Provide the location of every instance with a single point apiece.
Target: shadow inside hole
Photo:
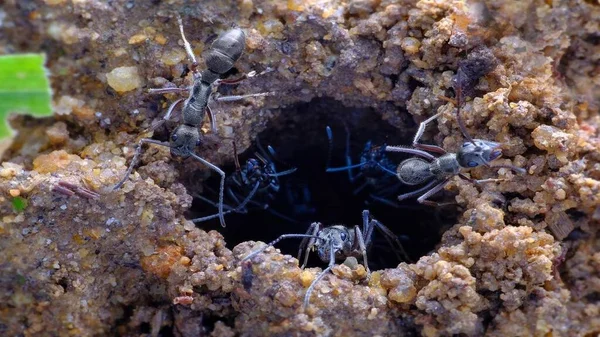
(313, 195)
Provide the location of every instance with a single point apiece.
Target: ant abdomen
(414, 171)
(225, 51)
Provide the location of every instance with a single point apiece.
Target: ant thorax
(445, 166)
(195, 105)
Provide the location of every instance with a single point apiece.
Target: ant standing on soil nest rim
(336, 243)
(438, 170)
(219, 59)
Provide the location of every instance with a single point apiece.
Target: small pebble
(124, 79)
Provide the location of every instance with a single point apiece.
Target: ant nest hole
(310, 194)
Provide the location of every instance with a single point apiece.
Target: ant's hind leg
(423, 199)
(423, 189)
(419, 134)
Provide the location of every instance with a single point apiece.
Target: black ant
(437, 171)
(257, 178)
(219, 59)
(335, 243)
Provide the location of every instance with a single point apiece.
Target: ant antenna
(236, 159)
(458, 92)
(186, 44)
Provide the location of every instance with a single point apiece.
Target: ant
(258, 177)
(219, 59)
(437, 171)
(336, 243)
(376, 169)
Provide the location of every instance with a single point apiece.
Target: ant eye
(343, 236)
(472, 164)
(174, 137)
(198, 142)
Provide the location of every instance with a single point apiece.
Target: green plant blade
(24, 88)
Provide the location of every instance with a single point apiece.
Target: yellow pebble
(14, 192)
(138, 38)
(160, 39)
(185, 261)
(306, 277)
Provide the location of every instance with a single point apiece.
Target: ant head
(225, 50)
(478, 152)
(183, 140)
(337, 236)
(253, 167)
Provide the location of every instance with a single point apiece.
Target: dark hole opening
(299, 138)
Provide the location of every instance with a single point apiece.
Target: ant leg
(519, 170)
(282, 173)
(275, 157)
(400, 148)
(172, 108)
(385, 201)
(478, 181)
(423, 189)
(423, 199)
(389, 190)
(320, 276)
(361, 187)
(330, 142)
(138, 152)
(422, 127)
(367, 226)
(241, 97)
(242, 78)
(351, 177)
(167, 90)
(272, 243)
(211, 119)
(345, 168)
(363, 248)
(281, 216)
(391, 238)
(221, 187)
(237, 209)
(348, 166)
(314, 228)
(419, 134)
(236, 199)
(212, 203)
(167, 115)
(186, 45)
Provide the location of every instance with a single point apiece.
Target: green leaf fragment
(19, 204)
(20, 279)
(24, 88)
